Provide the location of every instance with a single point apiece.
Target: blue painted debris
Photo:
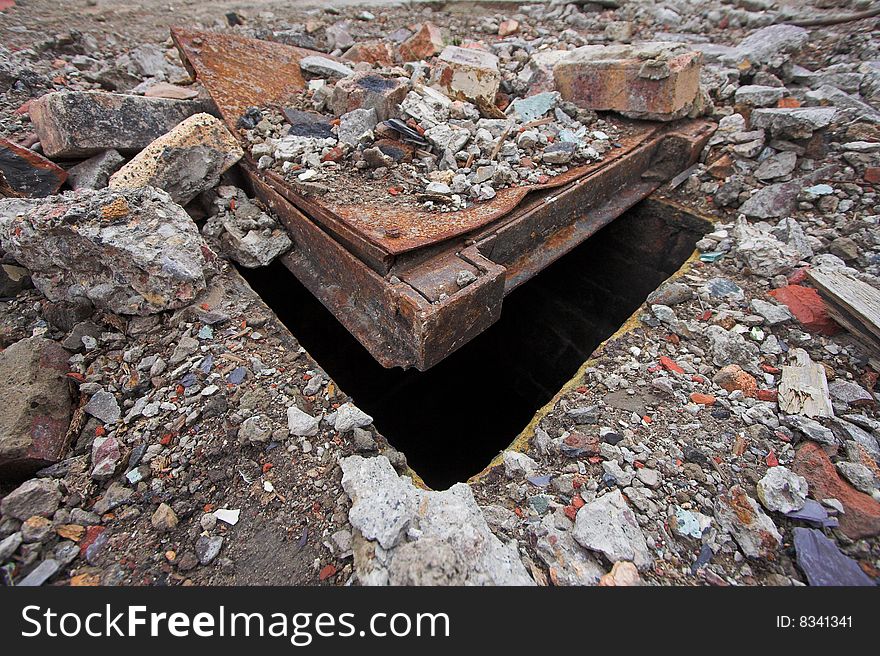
(534, 107)
(703, 558)
(236, 376)
(813, 513)
(206, 364)
(823, 563)
(820, 190)
(711, 257)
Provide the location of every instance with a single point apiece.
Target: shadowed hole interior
(451, 420)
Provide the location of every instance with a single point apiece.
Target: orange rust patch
(115, 209)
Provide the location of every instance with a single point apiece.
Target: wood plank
(803, 389)
(853, 304)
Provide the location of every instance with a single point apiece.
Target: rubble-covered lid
(240, 73)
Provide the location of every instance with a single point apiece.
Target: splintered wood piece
(803, 389)
(853, 304)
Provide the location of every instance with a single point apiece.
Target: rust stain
(115, 209)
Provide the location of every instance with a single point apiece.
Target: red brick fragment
(807, 307)
(862, 516)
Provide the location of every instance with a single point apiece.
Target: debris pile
(389, 138)
(160, 426)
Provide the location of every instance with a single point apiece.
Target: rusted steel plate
(395, 322)
(240, 72)
(416, 228)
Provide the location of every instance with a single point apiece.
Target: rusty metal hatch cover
(388, 272)
(240, 72)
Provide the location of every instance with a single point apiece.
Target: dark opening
(451, 420)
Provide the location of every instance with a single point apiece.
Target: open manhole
(451, 420)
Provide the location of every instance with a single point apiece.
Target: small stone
(776, 166)
(106, 456)
(208, 548)
(850, 393)
(228, 516)
(301, 423)
(686, 523)
(164, 519)
(758, 96)
(349, 417)
(608, 526)
(517, 465)
(772, 313)
(40, 574)
(377, 53)
(860, 476)
(739, 514)
(36, 529)
(650, 477)
(732, 377)
(363, 440)
(9, 545)
(426, 42)
(622, 574)
(356, 126)
(95, 172)
(104, 407)
(255, 430)
(324, 67)
(534, 107)
(781, 490)
(560, 152)
(34, 497)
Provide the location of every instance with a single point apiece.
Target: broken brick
(732, 377)
(81, 123)
(468, 74)
(702, 399)
(862, 516)
(185, 162)
(375, 52)
(669, 364)
(807, 307)
(369, 90)
(29, 173)
(657, 80)
(425, 43)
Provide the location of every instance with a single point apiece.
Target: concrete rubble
(410, 536)
(132, 252)
(165, 428)
(186, 161)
